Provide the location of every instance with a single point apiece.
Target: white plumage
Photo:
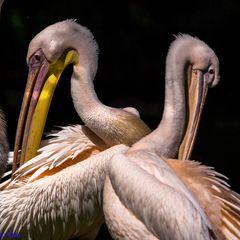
(140, 192)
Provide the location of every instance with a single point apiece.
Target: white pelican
(58, 205)
(147, 195)
(49, 52)
(128, 128)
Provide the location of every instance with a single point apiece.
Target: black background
(133, 38)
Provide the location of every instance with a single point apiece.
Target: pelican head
(191, 68)
(49, 53)
(56, 42)
(203, 68)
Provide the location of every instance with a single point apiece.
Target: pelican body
(182, 200)
(105, 127)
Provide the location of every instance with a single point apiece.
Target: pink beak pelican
(153, 197)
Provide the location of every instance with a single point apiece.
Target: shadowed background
(133, 38)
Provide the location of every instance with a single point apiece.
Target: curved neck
(112, 125)
(83, 93)
(93, 113)
(168, 135)
(165, 140)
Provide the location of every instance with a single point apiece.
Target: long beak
(196, 95)
(41, 83)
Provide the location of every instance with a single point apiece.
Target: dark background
(133, 37)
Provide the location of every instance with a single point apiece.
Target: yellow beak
(42, 80)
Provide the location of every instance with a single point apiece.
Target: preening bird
(85, 141)
(68, 203)
(149, 196)
(49, 53)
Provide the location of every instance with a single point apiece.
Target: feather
(221, 204)
(61, 150)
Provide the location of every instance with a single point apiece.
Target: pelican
(49, 53)
(45, 50)
(78, 218)
(147, 195)
(105, 127)
(4, 146)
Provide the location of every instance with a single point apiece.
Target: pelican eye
(211, 71)
(210, 76)
(36, 59)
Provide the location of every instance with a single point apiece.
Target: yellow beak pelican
(49, 53)
(153, 197)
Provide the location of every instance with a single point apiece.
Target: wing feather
(64, 148)
(152, 191)
(221, 204)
